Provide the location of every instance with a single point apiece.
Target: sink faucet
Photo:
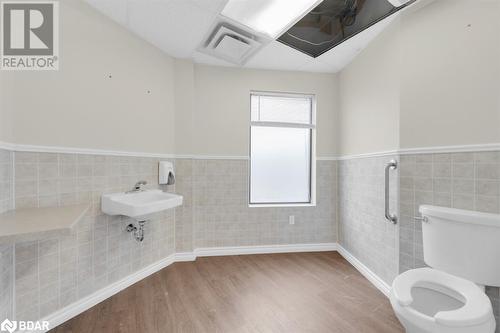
(138, 186)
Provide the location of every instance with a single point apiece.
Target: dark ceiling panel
(334, 21)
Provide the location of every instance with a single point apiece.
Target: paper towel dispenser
(166, 174)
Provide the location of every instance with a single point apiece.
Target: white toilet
(463, 249)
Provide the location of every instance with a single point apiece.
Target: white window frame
(312, 127)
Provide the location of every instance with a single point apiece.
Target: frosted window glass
(281, 109)
(280, 165)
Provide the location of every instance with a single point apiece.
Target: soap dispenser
(166, 174)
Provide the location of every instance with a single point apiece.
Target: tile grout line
(13, 204)
(38, 274)
(37, 166)
(13, 180)
(452, 182)
(13, 276)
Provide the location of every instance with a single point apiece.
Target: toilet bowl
(461, 247)
(429, 300)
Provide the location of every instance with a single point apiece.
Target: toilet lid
(477, 307)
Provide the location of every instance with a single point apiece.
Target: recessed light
(268, 17)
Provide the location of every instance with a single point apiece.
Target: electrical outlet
(291, 219)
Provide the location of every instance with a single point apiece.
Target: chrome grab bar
(392, 165)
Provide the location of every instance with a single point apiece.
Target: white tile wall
(222, 217)
(52, 273)
(184, 214)
(5, 180)
(6, 251)
(363, 229)
(6, 282)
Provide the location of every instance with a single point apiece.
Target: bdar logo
(8, 326)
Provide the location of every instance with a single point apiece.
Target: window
(282, 130)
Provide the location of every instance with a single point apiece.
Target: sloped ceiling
(179, 27)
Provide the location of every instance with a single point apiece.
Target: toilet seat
(476, 309)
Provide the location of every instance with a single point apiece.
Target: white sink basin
(139, 205)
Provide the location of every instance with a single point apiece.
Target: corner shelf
(38, 223)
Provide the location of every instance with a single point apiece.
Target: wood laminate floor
(299, 292)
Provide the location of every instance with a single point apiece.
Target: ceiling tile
(278, 56)
(319, 67)
(339, 57)
(175, 26)
(114, 9)
(202, 58)
(213, 6)
(178, 27)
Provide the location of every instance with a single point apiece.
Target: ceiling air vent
(228, 44)
(232, 46)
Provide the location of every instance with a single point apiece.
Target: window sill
(282, 205)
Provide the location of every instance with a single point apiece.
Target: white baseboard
(367, 273)
(86, 303)
(185, 256)
(286, 248)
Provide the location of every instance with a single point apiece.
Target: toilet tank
(463, 243)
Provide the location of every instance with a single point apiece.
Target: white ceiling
(179, 27)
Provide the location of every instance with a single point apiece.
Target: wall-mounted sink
(139, 205)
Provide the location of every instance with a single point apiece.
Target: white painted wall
(222, 110)
(428, 81)
(79, 105)
(450, 77)
(6, 124)
(369, 97)
(184, 106)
